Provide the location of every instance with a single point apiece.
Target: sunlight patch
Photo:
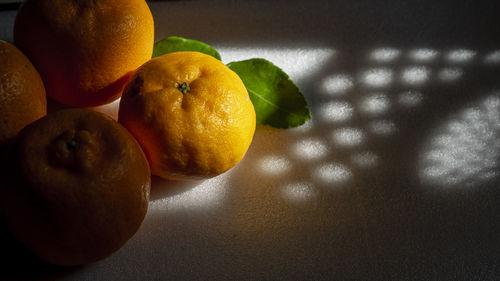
(465, 151)
(274, 165)
(333, 173)
(337, 84)
(348, 137)
(377, 77)
(299, 191)
(365, 159)
(493, 57)
(384, 54)
(298, 63)
(311, 149)
(415, 75)
(460, 55)
(375, 104)
(336, 111)
(423, 55)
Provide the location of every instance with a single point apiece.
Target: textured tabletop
(396, 177)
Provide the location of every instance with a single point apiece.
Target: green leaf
(174, 44)
(277, 100)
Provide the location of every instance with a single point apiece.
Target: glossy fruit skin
(197, 134)
(22, 94)
(78, 187)
(85, 50)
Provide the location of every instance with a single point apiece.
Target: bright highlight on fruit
(191, 114)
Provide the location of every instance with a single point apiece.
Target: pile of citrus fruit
(75, 182)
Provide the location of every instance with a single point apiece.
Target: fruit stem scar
(184, 87)
(72, 145)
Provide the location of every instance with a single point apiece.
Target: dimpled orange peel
(85, 50)
(78, 187)
(191, 114)
(22, 94)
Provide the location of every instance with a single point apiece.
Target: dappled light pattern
(375, 104)
(351, 110)
(493, 57)
(298, 191)
(450, 74)
(332, 173)
(274, 165)
(416, 75)
(311, 149)
(348, 137)
(358, 107)
(423, 55)
(210, 193)
(337, 84)
(460, 55)
(382, 127)
(465, 150)
(365, 159)
(336, 111)
(377, 77)
(409, 98)
(382, 55)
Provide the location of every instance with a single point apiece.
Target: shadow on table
(306, 206)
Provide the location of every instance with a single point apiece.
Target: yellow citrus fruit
(78, 187)
(85, 50)
(22, 94)
(191, 114)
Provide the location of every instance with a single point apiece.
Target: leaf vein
(272, 104)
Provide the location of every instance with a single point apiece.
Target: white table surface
(395, 177)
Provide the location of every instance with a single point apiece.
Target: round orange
(22, 94)
(85, 50)
(191, 114)
(78, 187)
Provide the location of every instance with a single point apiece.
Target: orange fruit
(191, 114)
(22, 94)
(78, 187)
(85, 50)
